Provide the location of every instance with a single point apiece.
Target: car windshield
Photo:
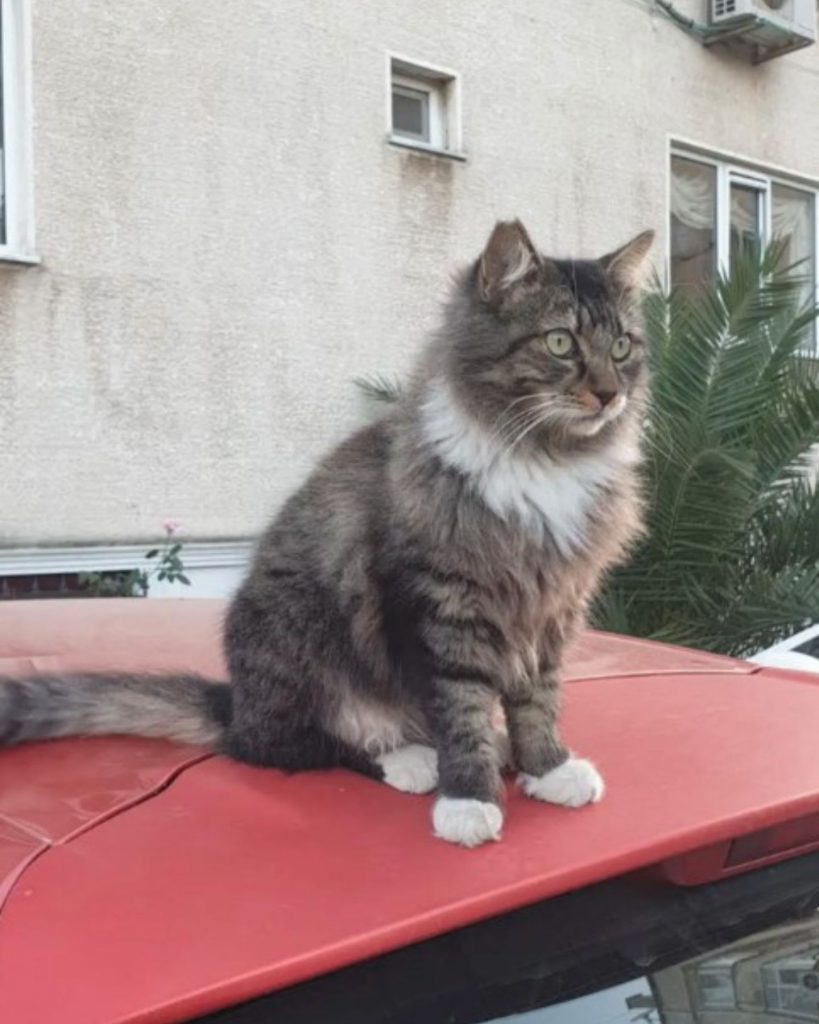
(772, 975)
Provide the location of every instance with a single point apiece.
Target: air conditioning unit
(765, 28)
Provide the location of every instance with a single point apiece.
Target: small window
(16, 219)
(716, 987)
(787, 987)
(423, 107)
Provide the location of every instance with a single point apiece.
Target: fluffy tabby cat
(433, 566)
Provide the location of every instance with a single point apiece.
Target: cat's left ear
(628, 265)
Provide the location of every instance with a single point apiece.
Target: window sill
(25, 259)
(420, 147)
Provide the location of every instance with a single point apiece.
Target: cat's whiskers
(559, 413)
(506, 422)
(510, 427)
(549, 410)
(522, 420)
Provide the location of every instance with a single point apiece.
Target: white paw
(468, 822)
(412, 769)
(574, 783)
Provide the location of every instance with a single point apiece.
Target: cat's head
(548, 349)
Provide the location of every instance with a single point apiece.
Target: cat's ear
(628, 265)
(508, 259)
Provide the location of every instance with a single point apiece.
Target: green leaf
(380, 388)
(729, 561)
(152, 553)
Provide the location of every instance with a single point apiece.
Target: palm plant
(730, 559)
(379, 388)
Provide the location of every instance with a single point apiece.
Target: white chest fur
(538, 492)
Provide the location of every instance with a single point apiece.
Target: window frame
(19, 245)
(737, 177)
(443, 89)
(732, 169)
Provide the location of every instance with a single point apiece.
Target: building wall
(227, 239)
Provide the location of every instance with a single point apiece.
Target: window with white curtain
(718, 208)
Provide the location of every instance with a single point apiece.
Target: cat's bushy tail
(179, 707)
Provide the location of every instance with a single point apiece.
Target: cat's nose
(604, 397)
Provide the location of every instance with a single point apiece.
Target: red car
(146, 881)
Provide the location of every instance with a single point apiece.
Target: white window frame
(19, 246)
(762, 186)
(442, 87)
(732, 168)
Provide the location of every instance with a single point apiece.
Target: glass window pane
(746, 217)
(792, 223)
(410, 112)
(693, 223)
(716, 987)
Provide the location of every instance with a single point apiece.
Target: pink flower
(172, 526)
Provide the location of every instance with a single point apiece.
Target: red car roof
(147, 882)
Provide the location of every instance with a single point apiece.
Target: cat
(432, 568)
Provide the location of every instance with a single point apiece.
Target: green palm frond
(731, 557)
(380, 388)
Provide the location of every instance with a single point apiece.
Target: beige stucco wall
(227, 239)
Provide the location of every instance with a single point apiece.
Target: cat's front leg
(460, 711)
(548, 771)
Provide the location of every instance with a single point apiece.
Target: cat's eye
(560, 343)
(621, 348)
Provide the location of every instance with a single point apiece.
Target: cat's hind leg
(305, 748)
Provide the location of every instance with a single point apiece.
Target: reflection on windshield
(624, 1004)
(772, 976)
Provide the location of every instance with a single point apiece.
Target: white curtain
(692, 195)
(693, 202)
(791, 218)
